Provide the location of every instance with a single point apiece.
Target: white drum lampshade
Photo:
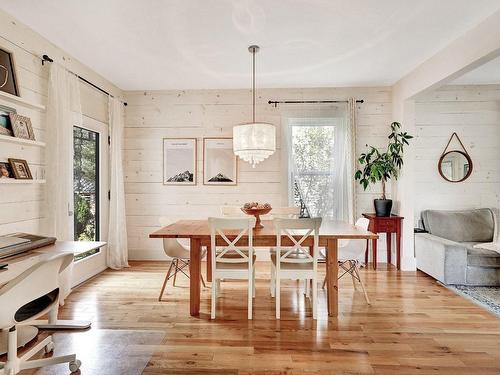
(254, 142)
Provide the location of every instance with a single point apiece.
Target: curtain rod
(275, 102)
(46, 58)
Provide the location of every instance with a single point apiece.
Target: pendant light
(256, 141)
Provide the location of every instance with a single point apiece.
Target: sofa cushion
(460, 226)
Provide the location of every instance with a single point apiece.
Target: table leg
(209, 263)
(398, 246)
(194, 280)
(389, 245)
(366, 252)
(374, 255)
(332, 279)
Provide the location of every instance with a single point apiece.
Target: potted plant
(382, 166)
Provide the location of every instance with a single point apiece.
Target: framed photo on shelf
(6, 170)
(5, 126)
(20, 169)
(220, 166)
(21, 126)
(179, 161)
(8, 79)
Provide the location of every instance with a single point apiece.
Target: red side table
(388, 225)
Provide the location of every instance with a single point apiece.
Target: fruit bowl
(256, 209)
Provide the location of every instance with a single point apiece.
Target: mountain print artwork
(220, 178)
(182, 177)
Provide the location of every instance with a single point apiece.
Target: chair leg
(250, 296)
(315, 297)
(352, 267)
(273, 281)
(176, 270)
(165, 282)
(253, 283)
(214, 298)
(362, 284)
(202, 281)
(277, 293)
(324, 282)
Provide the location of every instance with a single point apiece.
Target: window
(310, 163)
(86, 184)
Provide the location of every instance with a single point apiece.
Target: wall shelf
(18, 100)
(14, 181)
(7, 138)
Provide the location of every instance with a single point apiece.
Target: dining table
(198, 233)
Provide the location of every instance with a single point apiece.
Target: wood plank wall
(151, 116)
(474, 113)
(22, 206)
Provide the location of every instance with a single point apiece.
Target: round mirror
(455, 166)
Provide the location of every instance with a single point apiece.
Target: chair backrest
(37, 282)
(354, 249)
(296, 231)
(231, 211)
(171, 246)
(235, 228)
(285, 213)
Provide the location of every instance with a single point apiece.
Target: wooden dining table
(198, 233)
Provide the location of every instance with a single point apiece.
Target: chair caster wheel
(49, 348)
(74, 366)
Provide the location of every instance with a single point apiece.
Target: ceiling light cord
(253, 81)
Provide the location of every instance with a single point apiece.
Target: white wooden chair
(229, 261)
(295, 262)
(32, 294)
(285, 213)
(350, 255)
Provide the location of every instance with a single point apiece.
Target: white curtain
(332, 196)
(343, 171)
(63, 111)
(117, 232)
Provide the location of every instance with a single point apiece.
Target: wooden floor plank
(414, 326)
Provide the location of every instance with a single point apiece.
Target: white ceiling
(487, 74)
(184, 44)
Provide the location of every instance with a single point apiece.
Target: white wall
(23, 206)
(473, 112)
(151, 116)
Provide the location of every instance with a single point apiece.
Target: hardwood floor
(414, 326)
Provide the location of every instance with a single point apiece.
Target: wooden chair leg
(324, 282)
(202, 281)
(176, 270)
(362, 284)
(165, 282)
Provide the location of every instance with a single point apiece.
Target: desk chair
(33, 293)
(350, 252)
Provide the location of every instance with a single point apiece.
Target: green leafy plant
(382, 166)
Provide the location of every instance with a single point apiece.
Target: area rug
(105, 351)
(488, 297)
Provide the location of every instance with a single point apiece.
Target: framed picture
(179, 161)
(21, 126)
(20, 169)
(8, 79)
(5, 126)
(220, 165)
(6, 170)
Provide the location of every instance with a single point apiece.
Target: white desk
(19, 263)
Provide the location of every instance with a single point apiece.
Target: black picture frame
(8, 78)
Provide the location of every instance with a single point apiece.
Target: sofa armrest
(443, 259)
